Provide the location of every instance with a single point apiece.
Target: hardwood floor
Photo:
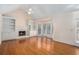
(64, 49)
(28, 46)
(36, 46)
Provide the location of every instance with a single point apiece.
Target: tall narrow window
(48, 29)
(51, 28)
(28, 31)
(44, 28)
(39, 29)
(34, 26)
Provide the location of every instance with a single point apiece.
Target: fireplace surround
(22, 33)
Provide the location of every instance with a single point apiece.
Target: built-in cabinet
(8, 24)
(8, 27)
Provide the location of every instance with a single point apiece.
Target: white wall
(0, 28)
(76, 19)
(64, 28)
(20, 23)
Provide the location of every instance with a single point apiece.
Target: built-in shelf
(10, 23)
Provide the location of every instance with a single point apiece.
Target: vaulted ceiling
(40, 10)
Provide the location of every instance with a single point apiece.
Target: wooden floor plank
(36, 46)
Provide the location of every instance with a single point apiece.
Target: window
(29, 27)
(44, 28)
(48, 28)
(39, 29)
(28, 31)
(34, 26)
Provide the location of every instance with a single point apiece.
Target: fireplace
(22, 33)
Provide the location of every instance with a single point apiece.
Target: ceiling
(40, 10)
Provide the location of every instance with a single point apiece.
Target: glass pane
(44, 28)
(39, 29)
(29, 27)
(34, 27)
(52, 28)
(48, 29)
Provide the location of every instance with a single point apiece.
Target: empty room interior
(39, 29)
